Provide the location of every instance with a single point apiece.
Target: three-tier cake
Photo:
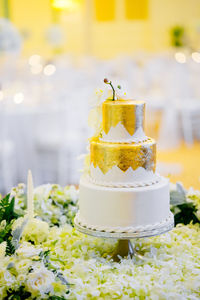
(123, 192)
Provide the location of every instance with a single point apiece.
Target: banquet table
(45, 139)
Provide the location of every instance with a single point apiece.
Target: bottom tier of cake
(123, 209)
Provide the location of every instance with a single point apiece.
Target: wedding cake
(122, 191)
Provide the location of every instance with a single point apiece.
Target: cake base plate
(125, 247)
(157, 230)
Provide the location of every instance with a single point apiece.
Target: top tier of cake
(123, 121)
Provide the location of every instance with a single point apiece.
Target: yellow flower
(58, 287)
(36, 231)
(21, 277)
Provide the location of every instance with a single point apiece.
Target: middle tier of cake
(117, 164)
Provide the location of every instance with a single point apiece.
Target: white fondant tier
(119, 134)
(107, 208)
(116, 177)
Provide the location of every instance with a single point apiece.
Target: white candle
(30, 204)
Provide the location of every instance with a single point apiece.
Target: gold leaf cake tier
(123, 120)
(107, 155)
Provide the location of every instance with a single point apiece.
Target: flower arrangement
(52, 204)
(43, 258)
(185, 205)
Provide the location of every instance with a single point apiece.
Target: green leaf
(10, 249)
(19, 294)
(7, 209)
(17, 233)
(7, 213)
(186, 214)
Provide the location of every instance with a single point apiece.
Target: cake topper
(106, 81)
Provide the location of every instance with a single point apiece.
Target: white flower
(99, 96)
(9, 278)
(40, 281)
(72, 193)
(2, 249)
(121, 93)
(35, 230)
(63, 220)
(17, 191)
(21, 278)
(95, 293)
(23, 264)
(42, 191)
(95, 119)
(95, 114)
(28, 250)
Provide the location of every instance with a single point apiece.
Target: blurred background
(54, 54)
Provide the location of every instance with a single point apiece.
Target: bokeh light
(18, 98)
(1, 95)
(49, 70)
(180, 57)
(196, 57)
(34, 60)
(36, 69)
(69, 5)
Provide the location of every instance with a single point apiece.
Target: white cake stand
(125, 247)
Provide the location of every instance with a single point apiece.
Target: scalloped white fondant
(117, 176)
(120, 134)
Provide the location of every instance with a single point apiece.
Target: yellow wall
(104, 39)
(1, 9)
(32, 17)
